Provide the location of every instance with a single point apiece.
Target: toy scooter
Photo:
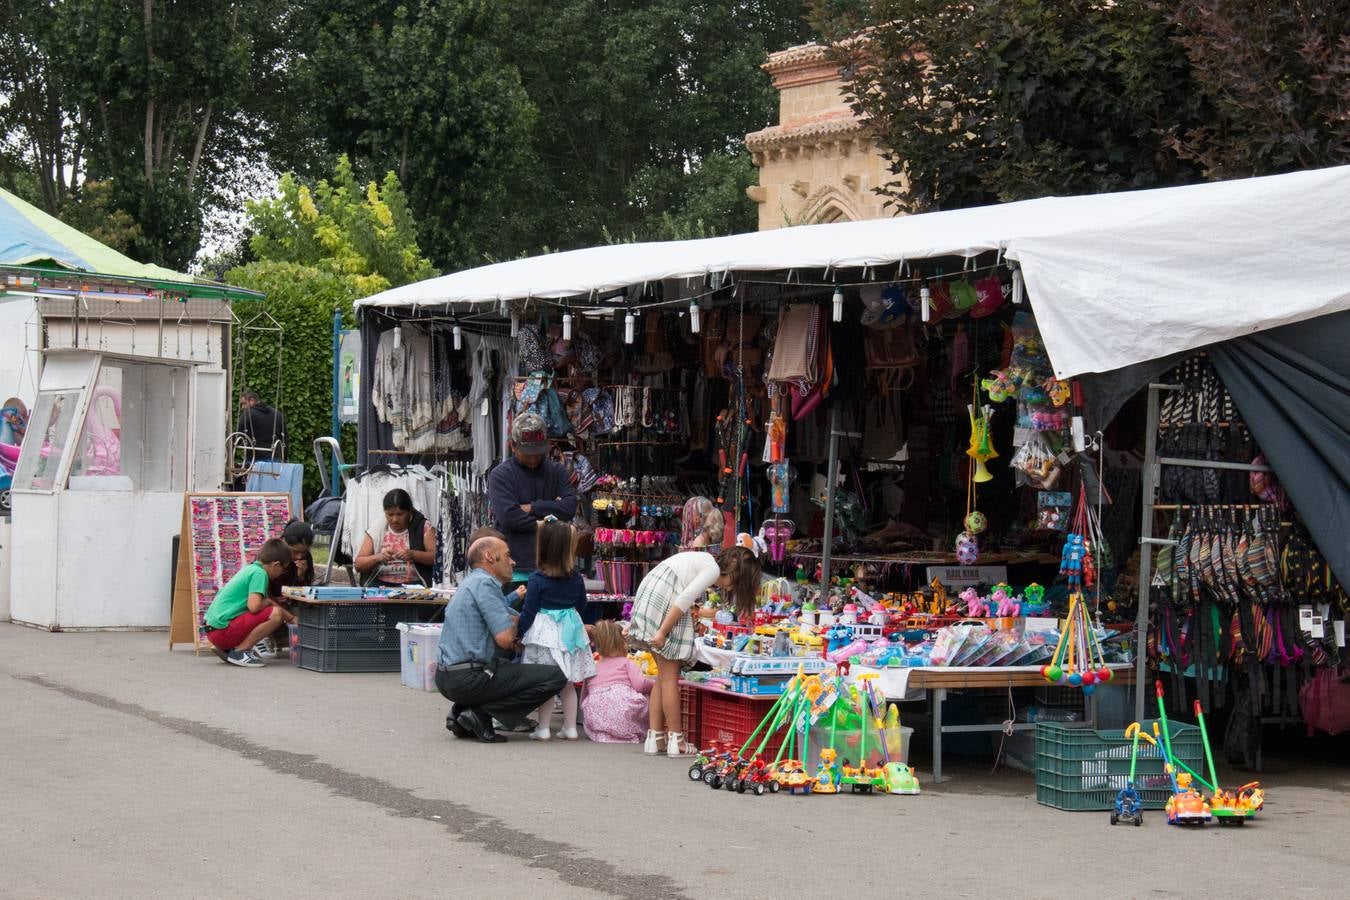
(1129, 805)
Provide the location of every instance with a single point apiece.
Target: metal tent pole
(1149, 484)
(831, 486)
(831, 478)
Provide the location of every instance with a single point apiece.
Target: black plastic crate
(349, 637)
(367, 660)
(387, 614)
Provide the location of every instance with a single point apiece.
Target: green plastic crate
(1080, 768)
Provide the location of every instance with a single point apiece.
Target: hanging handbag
(891, 348)
(550, 406)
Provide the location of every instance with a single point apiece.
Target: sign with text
(958, 577)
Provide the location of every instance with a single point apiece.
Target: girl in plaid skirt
(663, 622)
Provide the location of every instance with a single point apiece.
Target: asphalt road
(130, 771)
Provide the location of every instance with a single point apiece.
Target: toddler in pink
(615, 704)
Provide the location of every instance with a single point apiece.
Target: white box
(417, 651)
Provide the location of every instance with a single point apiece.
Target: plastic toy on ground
(704, 759)
(1129, 805)
(791, 777)
(1228, 807)
(862, 778)
(725, 771)
(828, 774)
(1187, 806)
(900, 779)
(756, 779)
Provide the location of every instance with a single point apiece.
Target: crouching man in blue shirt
(479, 685)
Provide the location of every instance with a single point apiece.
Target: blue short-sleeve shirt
(476, 613)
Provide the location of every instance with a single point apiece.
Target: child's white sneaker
(541, 734)
(569, 734)
(649, 746)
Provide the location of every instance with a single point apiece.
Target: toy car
(1129, 807)
(791, 776)
(807, 640)
(757, 779)
(900, 779)
(1236, 807)
(1187, 808)
(726, 770)
(862, 779)
(703, 760)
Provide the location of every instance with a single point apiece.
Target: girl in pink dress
(615, 704)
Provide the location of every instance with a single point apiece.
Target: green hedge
(301, 299)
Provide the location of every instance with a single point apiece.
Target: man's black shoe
(457, 729)
(481, 729)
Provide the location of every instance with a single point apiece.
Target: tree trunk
(403, 158)
(197, 148)
(147, 19)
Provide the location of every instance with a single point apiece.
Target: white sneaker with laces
(266, 648)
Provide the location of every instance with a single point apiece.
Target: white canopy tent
(1115, 279)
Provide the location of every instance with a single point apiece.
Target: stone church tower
(819, 163)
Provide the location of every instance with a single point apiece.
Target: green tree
(158, 101)
(982, 101)
(422, 89)
(316, 251)
(365, 234)
(643, 106)
(1277, 77)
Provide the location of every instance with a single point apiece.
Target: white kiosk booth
(114, 441)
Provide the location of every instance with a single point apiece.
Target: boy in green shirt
(241, 615)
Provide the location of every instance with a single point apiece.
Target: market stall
(875, 400)
(121, 367)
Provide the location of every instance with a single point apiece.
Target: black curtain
(371, 433)
(1292, 386)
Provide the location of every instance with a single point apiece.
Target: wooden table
(936, 681)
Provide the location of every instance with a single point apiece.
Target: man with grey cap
(527, 487)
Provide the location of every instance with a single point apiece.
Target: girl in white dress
(550, 621)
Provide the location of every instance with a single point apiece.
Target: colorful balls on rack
(967, 549)
(1054, 673)
(976, 522)
(1075, 679)
(1104, 675)
(1088, 689)
(1089, 677)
